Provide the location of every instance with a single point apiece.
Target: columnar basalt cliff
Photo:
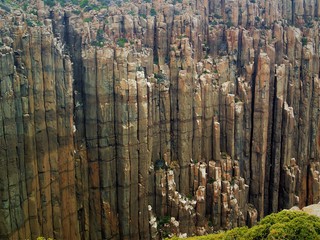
(150, 118)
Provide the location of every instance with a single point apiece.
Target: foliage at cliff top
(283, 225)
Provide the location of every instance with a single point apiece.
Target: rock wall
(37, 141)
(151, 119)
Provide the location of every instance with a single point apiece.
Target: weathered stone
(206, 112)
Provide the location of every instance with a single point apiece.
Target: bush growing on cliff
(100, 40)
(160, 77)
(87, 20)
(290, 225)
(76, 11)
(121, 42)
(304, 41)
(160, 164)
(100, 35)
(50, 3)
(153, 12)
(143, 15)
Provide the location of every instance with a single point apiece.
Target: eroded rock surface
(154, 118)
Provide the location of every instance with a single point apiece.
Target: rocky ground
(142, 119)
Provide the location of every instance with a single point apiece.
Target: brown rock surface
(154, 118)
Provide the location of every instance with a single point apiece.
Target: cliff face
(138, 121)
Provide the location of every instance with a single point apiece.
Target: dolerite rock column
(37, 138)
(259, 136)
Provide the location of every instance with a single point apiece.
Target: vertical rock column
(184, 128)
(209, 103)
(41, 134)
(305, 117)
(90, 113)
(144, 154)
(30, 159)
(230, 124)
(133, 154)
(107, 142)
(259, 133)
(315, 119)
(164, 112)
(216, 141)
(276, 136)
(48, 67)
(197, 123)
(11, 215)
(65, 130)
(122, 141)
(239, 134)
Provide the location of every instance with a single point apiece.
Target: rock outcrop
(148, 119)
(313, 209)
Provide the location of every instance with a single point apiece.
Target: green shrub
(211, 180)
(156, 60)
(99, 42)
(160, 77)
(25, 6)
(160, 164)
(39, 23)
(29, 22)
(217, 16)
(289, 225)
(84, 3)
(304, 41)
(121, 42)
(62, 2)
(229, 24)
(309, 23)
(87, 20)
(153, 12)
(34, 11)
(163, 220)
(143, 15)
(224, 155)
(76, 11)
(50, 3)
(100, 35)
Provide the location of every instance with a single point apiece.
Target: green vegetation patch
(76, 11)
(87, 20)
(121, 42)
(160, 77)
(153, 12)
(51, 3)
(304, 41)
(100, 40)
(289, 225)
(160, 164)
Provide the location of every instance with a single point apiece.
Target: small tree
(121, 42)
(153, 12)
